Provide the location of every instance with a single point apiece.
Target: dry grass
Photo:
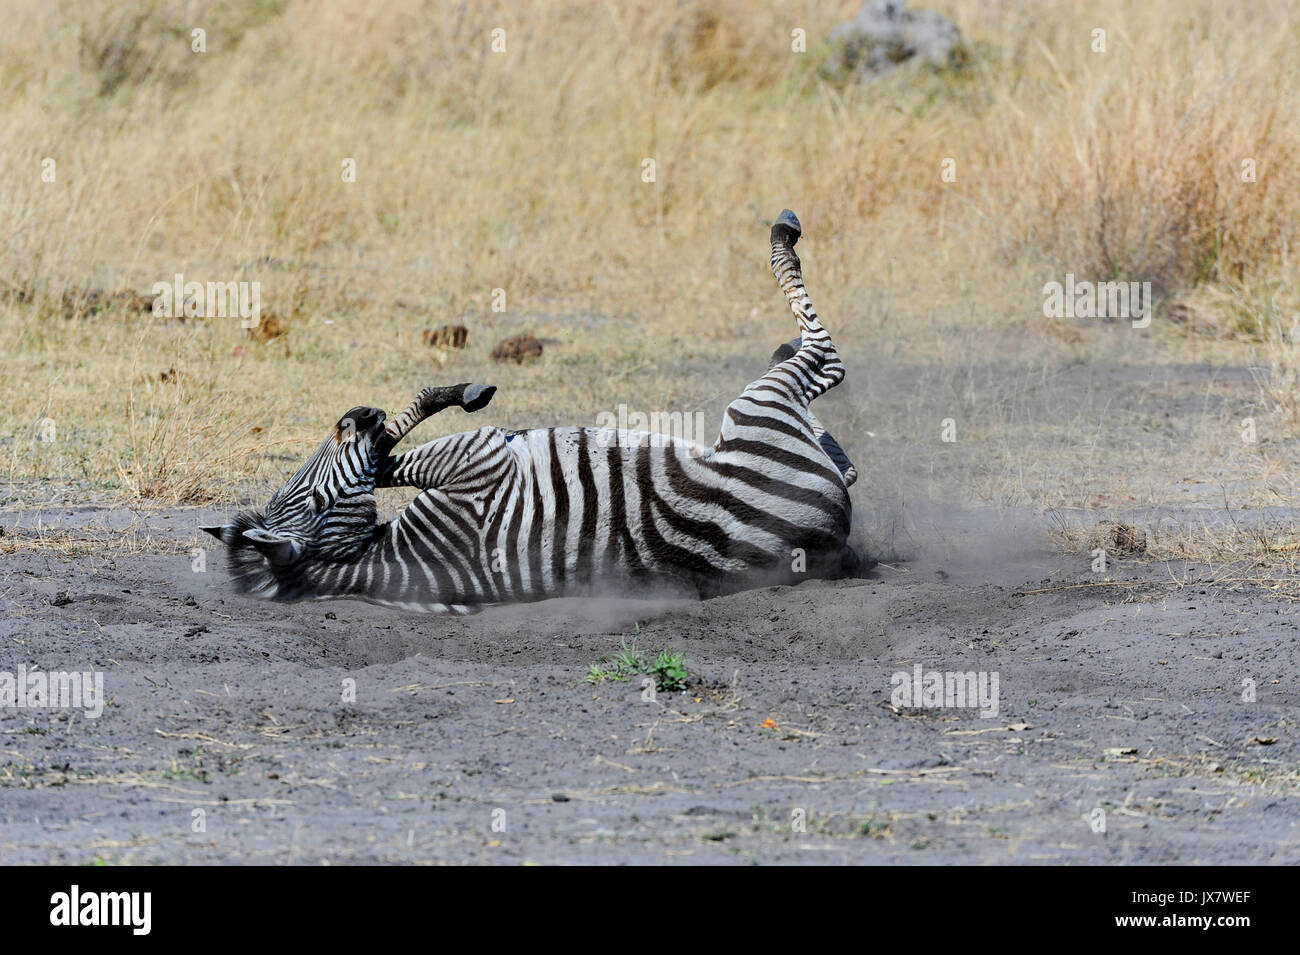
(93, 542)
(521, 171)
(1279, 370)
(1261, 555)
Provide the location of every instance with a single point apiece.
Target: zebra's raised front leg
(467, 462)
(815, 367)
(427, 403)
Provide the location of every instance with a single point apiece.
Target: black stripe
(680, 482)
(492, 540)
(620, 550)
(770, 424)
(781, 456)
(590, 510)
(512, 539)
(560, 538)
(537, 581)
(776, 488)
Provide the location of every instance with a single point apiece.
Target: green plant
(668, 668)
(669, 671)
(620, 666)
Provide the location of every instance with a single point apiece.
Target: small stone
(519, 349)
(884, 35)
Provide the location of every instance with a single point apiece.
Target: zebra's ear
(226, 533)
(278, 550)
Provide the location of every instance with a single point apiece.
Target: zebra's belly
(594, 509)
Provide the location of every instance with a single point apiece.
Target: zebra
(504, 516)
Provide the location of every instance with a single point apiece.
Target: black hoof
(786, 227)
(477, 397)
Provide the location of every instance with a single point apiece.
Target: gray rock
(884, 35)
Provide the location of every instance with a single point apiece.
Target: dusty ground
(234, 707)
(1119, 691)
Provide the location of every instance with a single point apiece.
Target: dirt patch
(1120, 696)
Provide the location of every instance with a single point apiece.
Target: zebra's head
(324, 514)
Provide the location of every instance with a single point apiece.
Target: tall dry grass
(522, 171)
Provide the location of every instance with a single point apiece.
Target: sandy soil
(1123, 696)
(479, 740)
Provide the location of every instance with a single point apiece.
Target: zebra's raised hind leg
(775, 408)
(794, 476)
(824, 438)
(851, 563)
(815, 366)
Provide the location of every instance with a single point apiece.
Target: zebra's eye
(319, 499)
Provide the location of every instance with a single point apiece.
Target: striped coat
(523, 515)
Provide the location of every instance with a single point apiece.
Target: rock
(446, 336)
(518, 349)
(268, 328)
(884, 35)
(271, 328)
